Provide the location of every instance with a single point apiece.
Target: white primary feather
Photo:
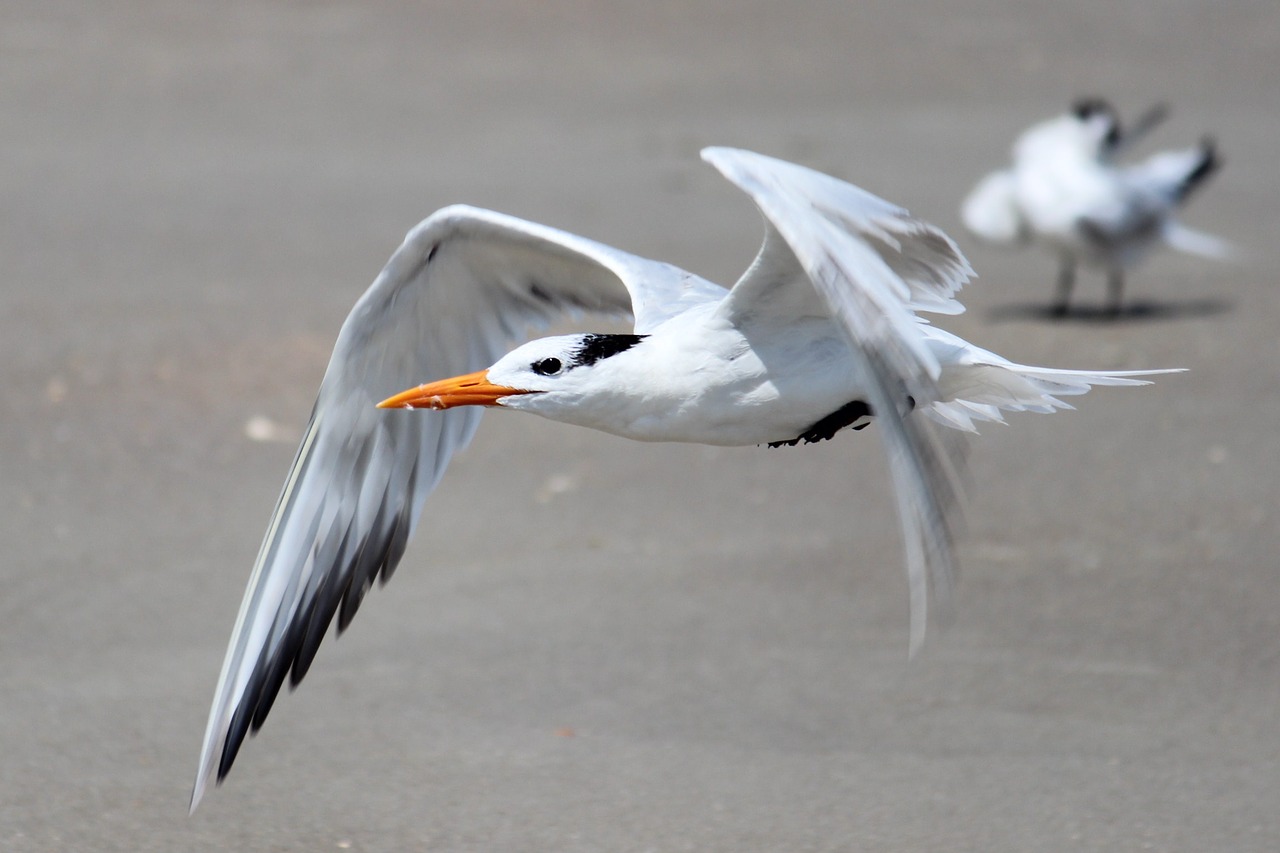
(871, 265)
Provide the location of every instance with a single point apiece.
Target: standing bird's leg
(1115, 291)
(1066, 280)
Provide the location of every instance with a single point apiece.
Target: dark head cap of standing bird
(1100, 117)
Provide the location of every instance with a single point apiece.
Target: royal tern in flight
(819, 334)
(1066, 192)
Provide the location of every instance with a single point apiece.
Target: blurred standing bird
(1066, 192)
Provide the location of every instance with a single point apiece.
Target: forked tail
(977, 385)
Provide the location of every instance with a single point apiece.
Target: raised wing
(832, 249)
(453, 298)
(1128, 137)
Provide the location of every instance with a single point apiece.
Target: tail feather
(1173, 176)
(1194, 242)
(979, 385)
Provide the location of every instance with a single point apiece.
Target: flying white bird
(818, 335)
(1066, 192)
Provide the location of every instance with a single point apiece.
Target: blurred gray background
(593, 644)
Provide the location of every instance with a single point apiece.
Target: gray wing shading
(465, 285)
(832, 249)
(1145, 201)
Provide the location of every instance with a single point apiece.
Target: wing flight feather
(465, 285)
(835, 248)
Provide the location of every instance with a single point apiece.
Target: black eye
(546, 367)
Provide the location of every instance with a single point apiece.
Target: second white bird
(1066, 192)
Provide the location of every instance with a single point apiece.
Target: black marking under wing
(849, 413)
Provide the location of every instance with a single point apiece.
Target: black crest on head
(1086, 108)
(596, 347)
(1083, 108)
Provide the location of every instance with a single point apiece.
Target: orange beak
(472, 389)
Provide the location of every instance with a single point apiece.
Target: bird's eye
(547, 367)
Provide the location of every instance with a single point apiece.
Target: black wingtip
(236, 734)
(338, 593)
(1210, 162)
(317, 622)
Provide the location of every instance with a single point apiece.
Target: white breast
(696, 380)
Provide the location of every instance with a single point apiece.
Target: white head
(548, 376)
(1088, 130)
(1099, 122)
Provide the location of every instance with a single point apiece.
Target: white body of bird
(817, 336)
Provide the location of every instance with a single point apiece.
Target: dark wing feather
(465, 285)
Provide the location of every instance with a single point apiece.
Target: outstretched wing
(465, 284)
(832, 249)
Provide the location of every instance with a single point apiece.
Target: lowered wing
(464, 287)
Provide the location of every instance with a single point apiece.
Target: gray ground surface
(595, 645)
